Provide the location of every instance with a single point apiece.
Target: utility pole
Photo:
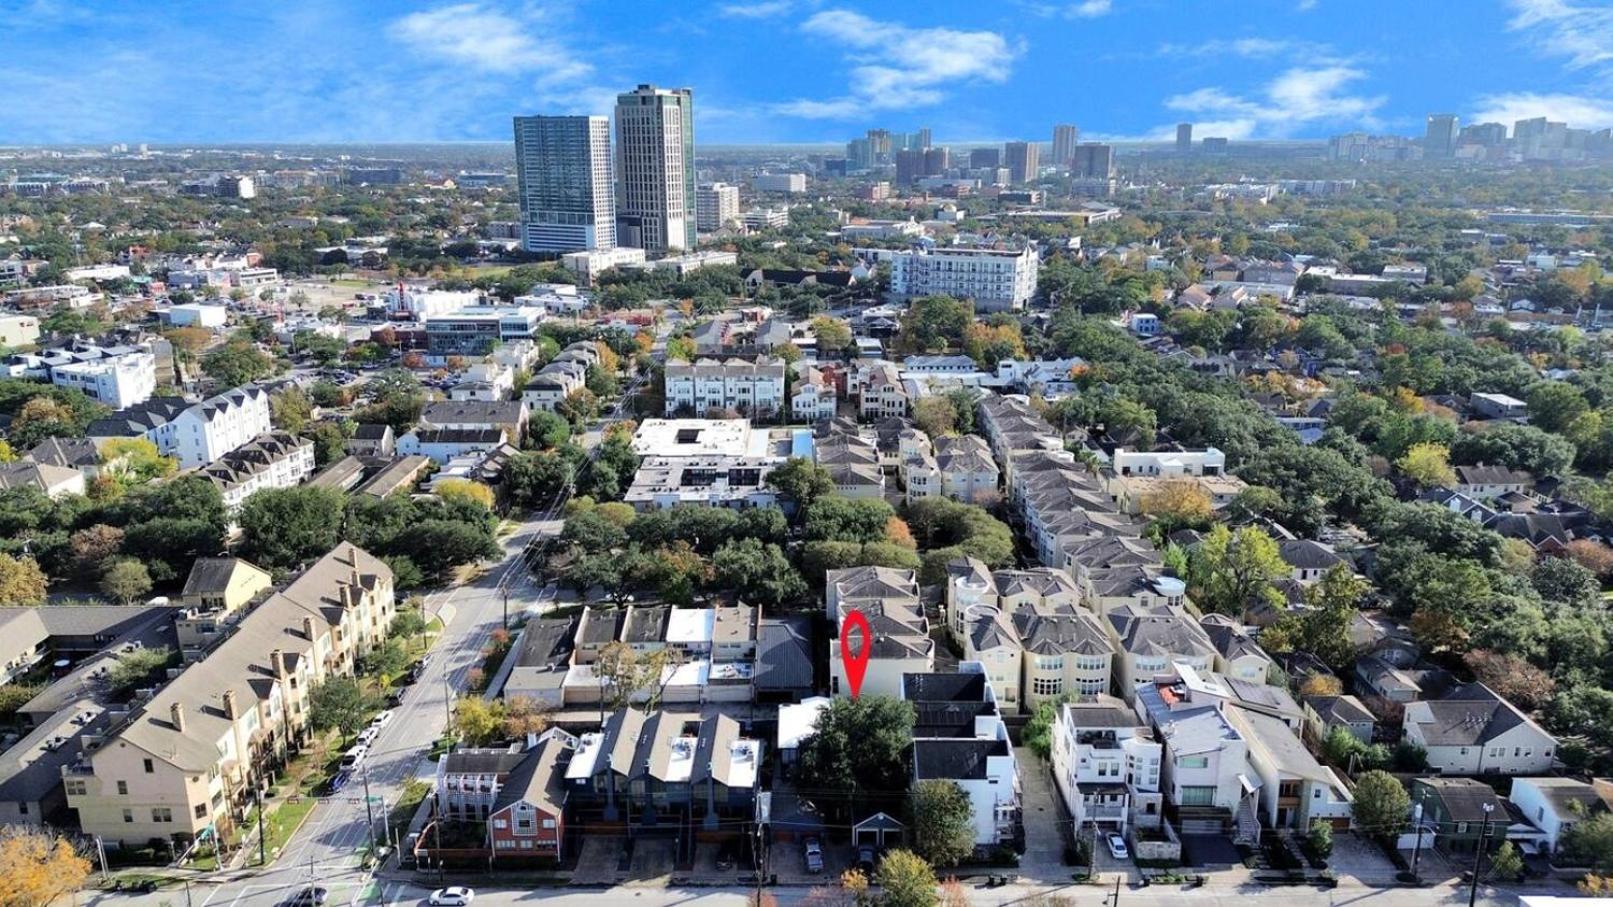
(1417, 829)
(263, 842)
(1478, 854)
(1114, 899)
(761, 862)
(506, 590)
(369, 813)
(100, 850)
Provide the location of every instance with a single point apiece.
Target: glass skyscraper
(655, 203)
(567, 198)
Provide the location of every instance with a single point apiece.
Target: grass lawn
(280, 825)
(353, 282)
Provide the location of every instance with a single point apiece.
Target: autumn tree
(935, 416)
(1183, 501)
(37, 866)
(905, 880)
(1513, 678)
(1429, 465)
(21, 581)
(464, 491)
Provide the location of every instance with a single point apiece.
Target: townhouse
(277, 459)
(852, 460)
(754, 388)
(182, 763)
(1106, 764)
(517, 793)
(710, 654)
(118, 376)
(881, 393)
(566, 373)
(53, 481)
(889, 599)
(1237, 655)
(194, 433)
(959, 736)
(510, 416)
(1471, 730)
(1556, 805)
(1150, 641)
(664, 767)
(215, 594)
(966, 468)
(815, 398)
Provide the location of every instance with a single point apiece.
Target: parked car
(865, 858)
(381, 720)
(367, 736)
(814, 855)
(355, 756)
(457, 896)
(312, 896)
(1117, 846)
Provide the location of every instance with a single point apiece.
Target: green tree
(933, 323)
(1382, 806)
(284, 528)
(905, 880)
(855, 753)
(535, 477)
(1233, 569)
(1506, 862)
(135, 668)
(943, 822)
(125, 580)
(760, 573)
(1319, 840)
(1590, 843)
(847, 519)
(1554, 405)
(338, 704)
(385, 661)
(547, 430)
(802, 481)
(330, 441)
(236, 363)
(291, 409)
(833, 335)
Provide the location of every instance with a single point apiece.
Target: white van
(354, 757)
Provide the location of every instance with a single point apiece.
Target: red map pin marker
(856, 664)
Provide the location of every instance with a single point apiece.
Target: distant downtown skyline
(794, 71)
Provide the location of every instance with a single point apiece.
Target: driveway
(1043, 817)
(1357, 858)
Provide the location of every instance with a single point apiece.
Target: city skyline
(447, 71)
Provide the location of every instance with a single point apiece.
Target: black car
(865, 859)
(312, 896)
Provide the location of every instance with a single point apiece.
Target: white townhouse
(214, 427)
(753, 388)
(275, 460)
(1106, 763)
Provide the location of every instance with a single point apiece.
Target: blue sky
(794, 70)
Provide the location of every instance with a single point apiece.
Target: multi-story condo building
(716, 206)
(1184, 138)
(476, 330)
(997, 280)
(278, 459)
(655, 203)
(1022, 160)
(1065, 137)
(210, 429)
(1106, 763)
(750, 387)
(567, 192)
(1093, 161)
(183, 762)
(118, 376)
(779, 182)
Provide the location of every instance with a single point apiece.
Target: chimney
(230, 710)
(176, 712)
(308, 628)
(277, 658)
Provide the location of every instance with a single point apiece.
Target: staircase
(1246, 824)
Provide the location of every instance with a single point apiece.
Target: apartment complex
(183, 761)
(277, 459)
(566, 188)
(716, 206)
(754, 388)
(997, 280)
(117, 376)
(655, 204)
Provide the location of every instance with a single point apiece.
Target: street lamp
(1478, 854)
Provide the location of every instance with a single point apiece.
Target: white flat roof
(690, 625)
(797, 722)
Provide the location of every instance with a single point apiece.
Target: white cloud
(1089, 9)
(763, 10)
(1305, 6)
(1295, 98)
(1582, 33)
(487, 39)
(896, 66)
(1579, 111)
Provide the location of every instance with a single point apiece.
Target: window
(1193, 762)
(151, 769)
(76, 788)
(128, 815)
(162, 814)
(1198, 796)
(22, 809)
(123, 788)
(548, 823)
(201, 810)
(1047, 686)
(500, 824)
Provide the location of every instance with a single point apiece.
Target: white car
(457, 896)
(381, 720)
(1117, 847)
